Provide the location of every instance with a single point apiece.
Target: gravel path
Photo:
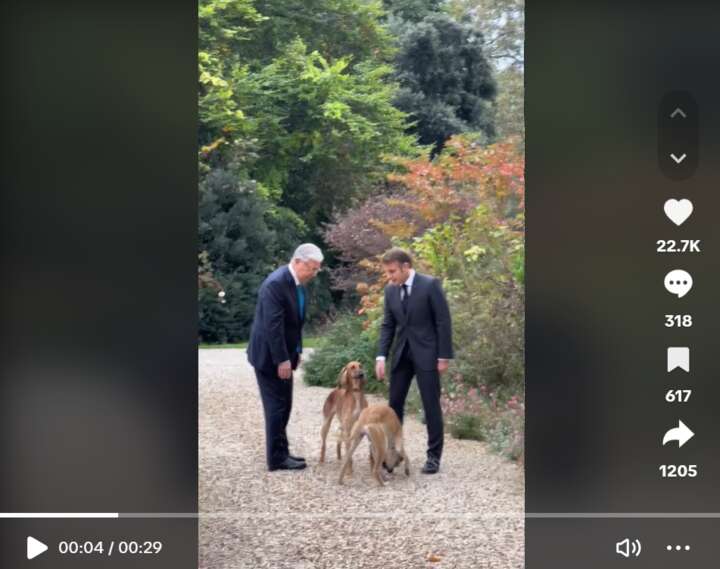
(470, 515)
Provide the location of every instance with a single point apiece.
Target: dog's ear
(343, 377)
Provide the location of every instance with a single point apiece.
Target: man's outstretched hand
(285, 370)
(380, 370)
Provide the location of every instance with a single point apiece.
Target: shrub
(479, 414)
(466, 426)
(344, 340)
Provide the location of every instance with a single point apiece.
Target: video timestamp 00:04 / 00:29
(110, 547)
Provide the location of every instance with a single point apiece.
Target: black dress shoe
(288, 464)
(298, 458)
(431, 466)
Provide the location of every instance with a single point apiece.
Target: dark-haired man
(417, 311)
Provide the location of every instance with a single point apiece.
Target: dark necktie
(301, 310)
(405, 298)
(301, 301)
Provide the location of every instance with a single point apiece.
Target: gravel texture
(469, 515)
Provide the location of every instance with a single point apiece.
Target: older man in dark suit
(275, 348)
(415, 309)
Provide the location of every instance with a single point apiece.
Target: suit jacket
(426, 326)
(276, 330)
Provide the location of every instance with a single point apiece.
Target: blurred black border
(98, 225)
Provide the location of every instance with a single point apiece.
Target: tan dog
(382, 426)
(346, 401)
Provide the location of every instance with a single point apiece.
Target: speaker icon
(628, 548)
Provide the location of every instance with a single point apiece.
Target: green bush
(482, 265)
(343, 341)
(466, 426)
(479, 415)
(506, 434)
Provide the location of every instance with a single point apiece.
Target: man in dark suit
(275, 348)
(415, 309)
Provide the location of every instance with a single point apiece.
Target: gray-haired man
(276, 345)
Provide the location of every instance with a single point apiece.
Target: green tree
(334, 28)
(447, 85)
(412, 10)
(323, 129)
(223, 28)
(244, 238)
(502, 24)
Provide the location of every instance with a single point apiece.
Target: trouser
(429, 385)
(276, 395)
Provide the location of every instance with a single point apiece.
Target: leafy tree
(323, 129)
(464, 176)
(412, 10)
(287, 133)
(509, 106)
(334, 28)
(502, 24)
(223, 27)
(447, 85)
(236, 233)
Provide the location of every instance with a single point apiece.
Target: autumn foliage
(426, 195)
(462, 216)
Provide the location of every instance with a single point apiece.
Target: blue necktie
(301, 309)
(301, 301)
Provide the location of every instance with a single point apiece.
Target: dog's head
(352, 376)
(392, 459)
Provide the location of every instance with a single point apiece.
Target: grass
(307, 343)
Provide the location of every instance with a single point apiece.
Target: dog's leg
(407, 463)
(377, 447)
(401, 450)
(344, 433)
(347, 465)
(347, 448)
(347, 426)
(377, 467)
(324, 434)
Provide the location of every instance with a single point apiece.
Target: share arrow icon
(681, 434)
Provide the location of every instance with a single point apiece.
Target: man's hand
(285, 370)
(443, 366)
(380, 370)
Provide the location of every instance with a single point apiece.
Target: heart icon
(678, 210)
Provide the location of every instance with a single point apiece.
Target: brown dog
(346, 401)
(382, 426)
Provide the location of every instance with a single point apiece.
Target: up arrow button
(676, 112)
(678, 140)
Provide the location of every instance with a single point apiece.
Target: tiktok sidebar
(623, 162)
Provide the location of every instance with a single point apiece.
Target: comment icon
(678, 282)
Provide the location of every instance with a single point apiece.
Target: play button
(35, 548)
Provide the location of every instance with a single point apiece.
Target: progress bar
(57, 515)
(306, 515)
